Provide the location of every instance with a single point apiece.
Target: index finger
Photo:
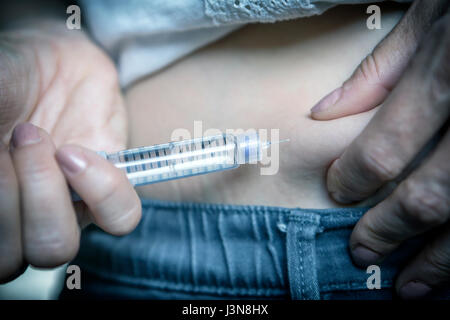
(420, 203)
(411, 115)
(113, 203)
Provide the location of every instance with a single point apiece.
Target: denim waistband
(233, 251)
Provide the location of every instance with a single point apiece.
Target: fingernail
(25, 134)
(71, 159)
(414, 290)
(363, 256)
(328, 101)
(334, 185)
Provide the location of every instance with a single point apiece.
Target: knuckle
(436, 74)
(426, 206)
(439, 261)
(381, 163)
(374, 237)
(439, 81)
(370, 69)
(39, 172)
(439, 88)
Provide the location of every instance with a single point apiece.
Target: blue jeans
(211, 251)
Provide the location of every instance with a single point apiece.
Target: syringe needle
(284, 140)
(268, 143)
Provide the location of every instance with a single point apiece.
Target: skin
(57, 90)
(259, 56)
(273, 73)
(254, 58)
(409, 73)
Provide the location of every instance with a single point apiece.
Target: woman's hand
(57, 89)
(413, 83)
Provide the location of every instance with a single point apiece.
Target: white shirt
(144, 36)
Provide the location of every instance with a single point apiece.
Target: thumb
(380, 71)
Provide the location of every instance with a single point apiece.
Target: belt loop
(301, 255)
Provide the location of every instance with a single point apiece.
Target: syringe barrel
(186, 158)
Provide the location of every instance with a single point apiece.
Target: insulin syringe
(174, 160)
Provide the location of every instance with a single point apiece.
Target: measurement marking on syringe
(165, 157)
(158, 159)
(139, 167)
(182, 160)
(199, 164)
(126, 157)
